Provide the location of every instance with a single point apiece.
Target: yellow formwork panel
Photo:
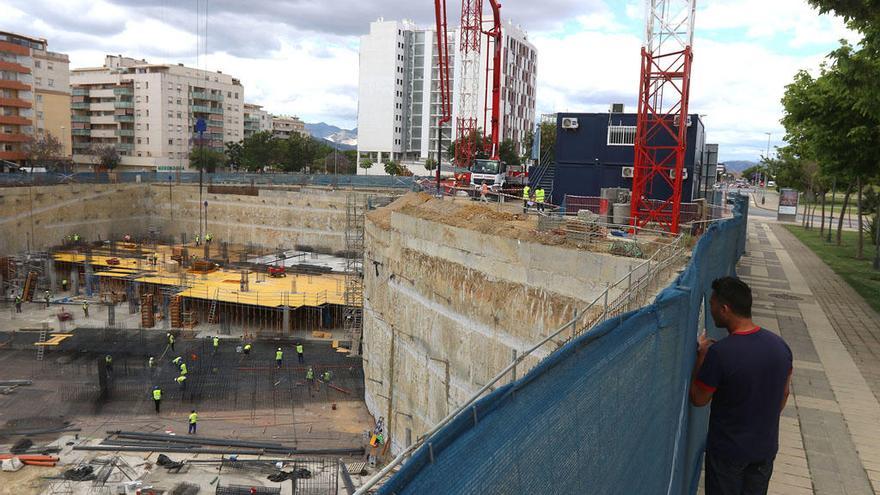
(293, 290)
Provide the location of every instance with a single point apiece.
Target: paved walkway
(830, 429)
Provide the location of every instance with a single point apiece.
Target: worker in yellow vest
(216, 344)
(278, 356)
(181, 380)
(183, 369)
(157, 397)
(171, 340)
(539, 198)
(193, 420)
(299, 353)
(525, 197)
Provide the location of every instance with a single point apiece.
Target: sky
(300, 57)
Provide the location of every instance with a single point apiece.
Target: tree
(234, 154)
(480, 141)
(337, 163)
(108, 157)
(366, 164)
(260, 150)
(395, 168)
(43, 150)
(430, 164)
(508, 153)
(206, 159)
(548, 141)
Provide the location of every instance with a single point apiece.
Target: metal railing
(627, 293)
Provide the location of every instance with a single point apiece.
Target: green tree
(260, 150)
(206, 159)
(430, 164)
(366, 164)
(508, 153)
(480, 142)
(234, 154)
(108, 157)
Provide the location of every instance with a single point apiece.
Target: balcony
(200, 95)
(215, 123)
(82, 145)
(123, 118)
(125, 146)
(15, 137)
(14, 67)
(12, 155)
(125, 132)
(14, 102)
(123, 91)
(79, 118)
(79, 92)
(123, 104)
(80, 105)
(14, 120)
(81, 132)
(18, 85)
(8, 47)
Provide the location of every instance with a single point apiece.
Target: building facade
(256, 119)
(34, 95)
(399, 97)
(284, 126)
(148, 112)
(597, 150)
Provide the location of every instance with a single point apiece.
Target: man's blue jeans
(727, 477)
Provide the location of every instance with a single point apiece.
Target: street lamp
(764, 181)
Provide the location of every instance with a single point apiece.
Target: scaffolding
(354, 269)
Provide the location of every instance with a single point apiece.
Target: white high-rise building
(148, 112)
(256, 119)
(399, 100)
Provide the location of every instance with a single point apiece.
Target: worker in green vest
(216, 343)
(151, 363)
(209, 237)
(326, 376)
(181, 380)
(85, 309)
(193, 419)
(247, 349)
(108, 363)
(310, 377)
(299, 353)
(157, 397)
(183, 369)
(171, 340)
(539, 198)
(278, 356)
(64, 285)
(198, 240)
(525, 197)
(177, 360)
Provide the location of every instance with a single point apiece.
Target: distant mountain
(739, 165)
(345, 138)
(339, 146)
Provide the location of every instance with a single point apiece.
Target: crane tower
(471, 32)
(661, 131)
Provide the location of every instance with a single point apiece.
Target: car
(771, 183)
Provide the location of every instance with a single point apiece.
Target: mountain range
(341, 139)
(739, 165)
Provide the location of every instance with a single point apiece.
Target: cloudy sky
(301, 56)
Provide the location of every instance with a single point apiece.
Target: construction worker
(46, 296)
(171, 340)
(326, 376)
(177, 360)
(299, 353)
(525, 196)
(484, 191)
(193, 421)
(198, 240)
(310, 377)
(86, 309)
(64, 285)
(216, 340)
(151, 363)
(183, 370)
(208, 237)
(18, 303)
(157, 397)
(539, 198)
(247, 349)
(278, 356)
(108, 363)
(181, 381)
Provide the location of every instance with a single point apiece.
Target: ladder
(30, 286)
(148, 318)
(44, 335)
(212, 314)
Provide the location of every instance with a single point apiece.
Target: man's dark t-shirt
(747, 372)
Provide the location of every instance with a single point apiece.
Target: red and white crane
(661, 131)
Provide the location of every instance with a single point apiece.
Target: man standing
(310, 377)
(193, 420)
(18, 303)
(216, 341)
(157, 397)
(278, 356)
(64, 285)
(108, 363)
(85, 309)
(171, 340)
(746, 376)
(539, 198)
(484, 191)
(525, 197)
(247, 349)
(181, 381)
(46, 296)
(299, 353)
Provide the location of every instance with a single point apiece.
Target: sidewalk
(830, 429)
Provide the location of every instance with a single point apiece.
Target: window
(170, 115)
(621, 135)
(170, 100)
(178, 101)
(171, 141)
(179, 115)
(236, 95)
(37, 64)
(146, 85)
(38, 80)
(139, 141)
(148, 128)
(39, 115)
(229, 94)
(147, 99)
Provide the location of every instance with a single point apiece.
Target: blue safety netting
(278, 179)
(607, 413)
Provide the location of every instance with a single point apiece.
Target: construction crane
(445, 114)
(661, 130)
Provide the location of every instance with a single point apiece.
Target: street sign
(201, 125)
(788, 204)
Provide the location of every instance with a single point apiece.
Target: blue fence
(377, 181)
(607, 413)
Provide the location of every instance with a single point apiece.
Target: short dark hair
(734, 293)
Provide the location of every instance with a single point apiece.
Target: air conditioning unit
(616, 108)
(684, 176)
(627, 172)
(569, 123)
(677, 120)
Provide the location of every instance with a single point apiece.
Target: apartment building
(399, 99)
(284, 126)
(256, 119)
(34, 94)
(148, 112)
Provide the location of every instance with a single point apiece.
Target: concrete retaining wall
(446, 307)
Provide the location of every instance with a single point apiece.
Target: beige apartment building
(148, 112)
(256, 119)
(34, 94)
(284, 126)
